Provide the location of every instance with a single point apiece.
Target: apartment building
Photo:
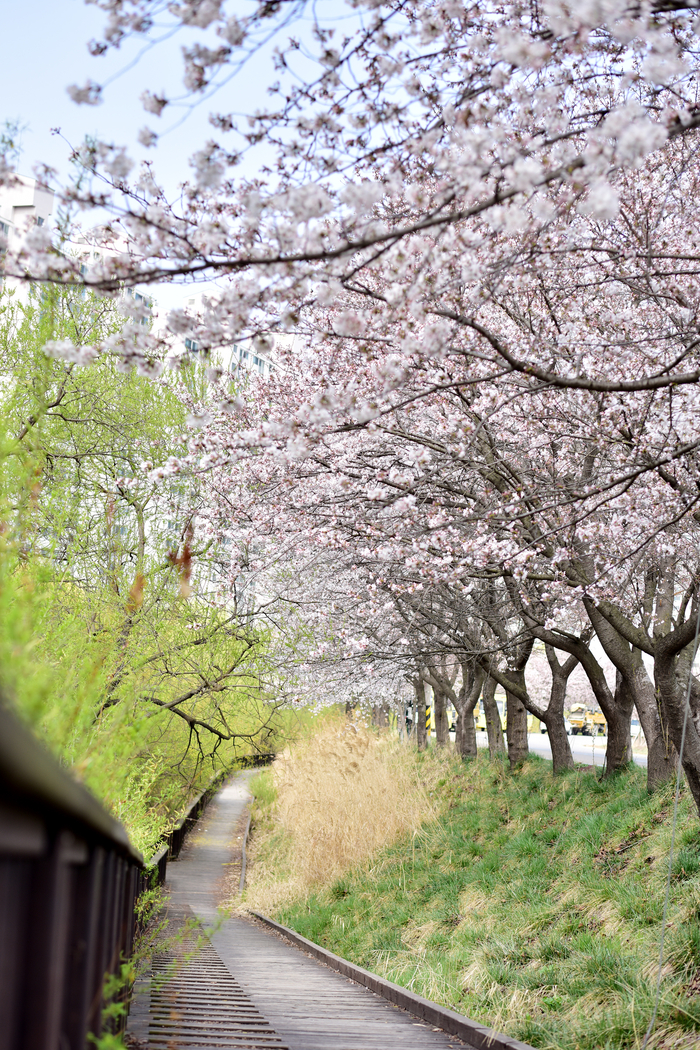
(23, 204)
(237, 355)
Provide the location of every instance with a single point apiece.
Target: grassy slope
(532, 904)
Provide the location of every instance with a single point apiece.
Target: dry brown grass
(341, 795)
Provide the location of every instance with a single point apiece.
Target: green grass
(262, 787)
(532, 904)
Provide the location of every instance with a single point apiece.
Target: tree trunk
(420, 729)
(673, 701)
(516, 726)
(618, 717)
(381, 717)
(580, 648)
(465, 734)
(442, 724)
(619, 752)
(662, 759)
(465, 730)
(553, 717)
(494, 729)
(401, 720)
(562, 759)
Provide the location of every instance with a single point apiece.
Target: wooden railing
(69, 878)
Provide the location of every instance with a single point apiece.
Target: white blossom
(522, 51)
(200, 13)
(65, 350)
(349, 323)
(153, 103)
(119, 164)
(208, 166)
(147, 137)
(602, 201)
(640, 138)
(90, 94)
(233, 32)
(308, 202)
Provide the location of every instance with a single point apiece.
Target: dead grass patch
(340, 796)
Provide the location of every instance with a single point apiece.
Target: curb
(241, 886)
(449, 1021)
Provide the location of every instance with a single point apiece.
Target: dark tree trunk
(580, 648)
(562, 758)
(619, 750)
(672, 697)
(421, 731)
(615, 716)
(553, 717)
(516, 725)
(380, 715)
(494, 729)
(513, 679)
(465, 730)
(465, 735)
(442, 724)
(401, 719)
(662, 758)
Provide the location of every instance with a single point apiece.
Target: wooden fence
(69, 878)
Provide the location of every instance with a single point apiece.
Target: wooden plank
(478, 1035)
(307, 1004)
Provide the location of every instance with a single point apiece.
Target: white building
(23, 204)
(237, 355)
(26, 203)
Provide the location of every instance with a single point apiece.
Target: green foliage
(534, 905)
(262, 788)
(112, 647)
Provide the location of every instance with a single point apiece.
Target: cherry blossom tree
(477, 222)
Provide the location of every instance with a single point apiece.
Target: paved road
(588, 749)
(248, 987)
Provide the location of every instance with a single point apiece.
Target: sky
(45, 50)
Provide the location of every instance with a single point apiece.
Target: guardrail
(69, 878)
(474, 1034)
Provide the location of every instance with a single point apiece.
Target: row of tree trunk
(478, 683)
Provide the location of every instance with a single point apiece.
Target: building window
(190, 344)
(4, 229)
(39, 220)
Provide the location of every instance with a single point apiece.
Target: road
(588, 749)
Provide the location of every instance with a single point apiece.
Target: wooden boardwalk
(249, 988)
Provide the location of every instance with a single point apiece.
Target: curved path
(246, 987)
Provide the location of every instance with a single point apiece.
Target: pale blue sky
(45, 50)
